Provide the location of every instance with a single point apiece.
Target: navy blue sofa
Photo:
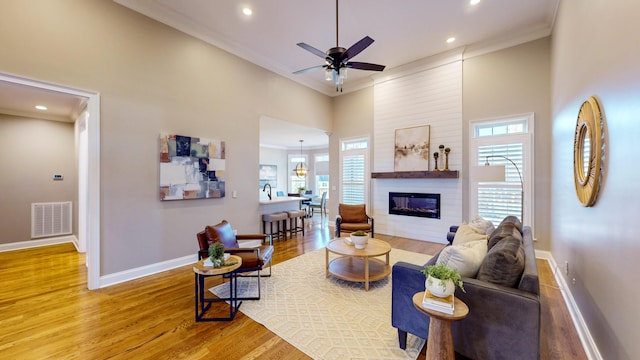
(503, 322)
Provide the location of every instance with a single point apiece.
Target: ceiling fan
(337, 59)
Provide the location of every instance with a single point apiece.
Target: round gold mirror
(587, 152)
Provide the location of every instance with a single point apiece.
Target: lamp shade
(488, 173)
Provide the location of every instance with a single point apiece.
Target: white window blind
(496, 200)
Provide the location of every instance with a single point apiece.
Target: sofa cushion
(466, 258)
(482, 225)
(467, 233)
(502, 231)
(504, 263)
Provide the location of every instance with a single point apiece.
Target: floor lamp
(495, 173)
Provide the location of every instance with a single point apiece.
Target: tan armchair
(254, 259)
(352, 218)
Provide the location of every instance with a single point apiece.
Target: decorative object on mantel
(451, 174)
(435, 157)
(588, 152)
(446, 154)
(441, 156)
(191, 167)
(442, 280)
(411, 151)
(300, 169)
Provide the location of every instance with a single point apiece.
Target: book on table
(445, 305)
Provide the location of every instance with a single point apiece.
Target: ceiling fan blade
(313, 50)
(309, 69)
(356, 48)
(365, 66)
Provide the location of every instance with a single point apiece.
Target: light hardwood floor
(46, 312)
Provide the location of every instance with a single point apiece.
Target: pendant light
(301, 169)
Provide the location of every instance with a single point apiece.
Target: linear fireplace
(415, 204)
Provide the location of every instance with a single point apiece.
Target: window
(296, 182)
(354, 167)
(506, 142)
(321, 166)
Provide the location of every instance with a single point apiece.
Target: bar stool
(275, 218)
(293, 221)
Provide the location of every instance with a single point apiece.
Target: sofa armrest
(406, 280)
(498, 312)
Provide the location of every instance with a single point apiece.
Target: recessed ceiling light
(451, 40)
(247, 11)
(41, 107)
(474, 2)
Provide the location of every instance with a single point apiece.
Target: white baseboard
(127, 275)
(583, 331)
(39, 243)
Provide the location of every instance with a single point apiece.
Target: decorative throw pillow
(481, 225)
(466, 233)
(502, 231)
(514, 220)
(504, 263)
(465, 258)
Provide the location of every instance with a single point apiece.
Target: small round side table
(440, 341)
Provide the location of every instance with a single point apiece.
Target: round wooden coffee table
(358, 264)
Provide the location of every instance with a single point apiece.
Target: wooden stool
(293, 222)
(277, 218)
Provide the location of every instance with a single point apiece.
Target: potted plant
(359, 239)
(301, 190)
(442, 280)
(216, 254)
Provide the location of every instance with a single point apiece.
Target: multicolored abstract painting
(191, 167)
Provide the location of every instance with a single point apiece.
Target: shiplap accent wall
(431, 96)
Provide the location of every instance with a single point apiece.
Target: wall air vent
(50, 219)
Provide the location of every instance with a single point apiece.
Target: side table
(440, 341)
(204, 303)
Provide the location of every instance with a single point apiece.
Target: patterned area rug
(328, 318)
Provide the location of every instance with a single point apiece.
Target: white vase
(360, 242)
(438, 287)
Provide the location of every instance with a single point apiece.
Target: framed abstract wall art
(411, 151)
(191, 167)
(268, 175)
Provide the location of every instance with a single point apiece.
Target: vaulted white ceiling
(404, 31)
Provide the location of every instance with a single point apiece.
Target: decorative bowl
(359, 241)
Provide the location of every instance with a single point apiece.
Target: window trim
(367, 173)
(527, 138)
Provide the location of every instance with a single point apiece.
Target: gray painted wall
(594, 52)
(31, 151)
(154, 79)
(508, 82)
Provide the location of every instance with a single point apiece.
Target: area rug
(328, 318)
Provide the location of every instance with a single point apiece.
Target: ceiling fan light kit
(337, 59)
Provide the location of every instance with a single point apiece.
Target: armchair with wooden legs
(352, 218)
(254, 259)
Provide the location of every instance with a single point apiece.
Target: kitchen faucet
(265, 189)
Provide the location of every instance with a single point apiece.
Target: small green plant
(302, 188)
(441, 272)
(359, 233)
(447, 150)
(441, 147)
(435, 154)
(216, 251)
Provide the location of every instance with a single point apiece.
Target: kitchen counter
(282, 199)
